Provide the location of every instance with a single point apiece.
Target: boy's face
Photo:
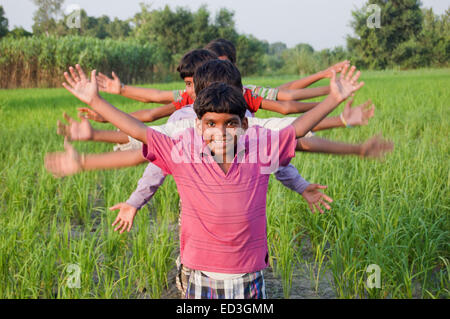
(189, 81)
(221, 131)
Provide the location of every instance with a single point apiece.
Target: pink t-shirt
(223, 216)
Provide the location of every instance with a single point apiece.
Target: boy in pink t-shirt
(221, 169)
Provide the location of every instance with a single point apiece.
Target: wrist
(83, 161)
(95, 101)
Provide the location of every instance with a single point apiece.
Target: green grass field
(394, 214)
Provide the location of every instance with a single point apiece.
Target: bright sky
(321, 23)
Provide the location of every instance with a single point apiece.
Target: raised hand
(66, 163)
(359, 115)
(79, 85)
(125, 217)
(108, 85)
(76, 131)
(337, 68)
(376, 147)
(344, 86)
(315, 197)
(90, 114)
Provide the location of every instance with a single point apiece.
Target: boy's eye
(210, 123)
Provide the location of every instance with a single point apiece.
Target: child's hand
(125, 217)
(108, 85)
(76, 131)
(314, 197)
(66, 163)
(376, 147)
(337, 68)
(85, 90)
(359, 115)
(90, 114)
(344, 86)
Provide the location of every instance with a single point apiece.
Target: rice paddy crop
(394, 214)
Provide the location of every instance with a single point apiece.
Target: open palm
(76, 131)
(108, 85)
(346, 84)
(66, 163)
(358, 115)
(79, 85)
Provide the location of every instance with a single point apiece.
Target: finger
(124, 227)
(311, 207)
(93, 76)
(360, 85)
(81, 116)
(74, 74)
(356, 77)
(327, 198)
(120, 225)
(69, 79)
(344, 70)
(116, 220)
(67, 146)
(68, 118)
(115, 77)
(319, 208)
(129, 226)
(333, 76)
(321, 186)
(81, 72)
(350, 73)
(68, 88)
(115, 207)
(325, 204)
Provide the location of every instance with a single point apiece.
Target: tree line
(409, 36)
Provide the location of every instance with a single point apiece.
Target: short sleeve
(287, 144)
(159, 150)
(253, 101)
(183, 101)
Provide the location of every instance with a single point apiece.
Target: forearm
(149, 183)
(310, 119)
(302, 83)
(123, 121)
(302, 94)
(110, 137)
(150, 115)
(328, 123)
(111, 160)
(287, 107)
(320, 145)
(147, 95)
(290, 178)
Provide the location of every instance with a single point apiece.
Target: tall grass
(394, 213)
(41, 61)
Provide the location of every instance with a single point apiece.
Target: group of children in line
(219, 155)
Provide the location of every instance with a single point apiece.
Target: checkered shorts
(194, 284)
(265, 92)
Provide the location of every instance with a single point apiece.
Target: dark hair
(217, 71)
(220, 98)
(223, 47)
(191, 60)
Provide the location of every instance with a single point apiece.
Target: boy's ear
(245, 123)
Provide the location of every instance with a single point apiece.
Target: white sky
(321, 23)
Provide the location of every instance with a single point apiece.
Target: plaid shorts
(265, 93)
(194, 284)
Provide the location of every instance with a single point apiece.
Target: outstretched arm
(71, 162)
(340, 89)
(302, 94)
(374, 147)
(307, 81)
(351, 116)
(287, 107)
(87, 91)
(114, 86)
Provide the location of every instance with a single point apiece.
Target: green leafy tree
(46, 16)
(400, 21)
(3, 23)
